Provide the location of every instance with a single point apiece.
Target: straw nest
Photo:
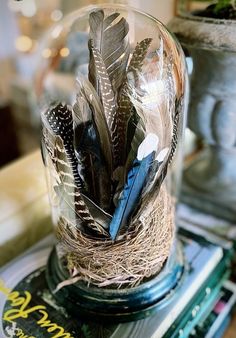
(135, 256)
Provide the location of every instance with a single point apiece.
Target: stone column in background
(210, 180)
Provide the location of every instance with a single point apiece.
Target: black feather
(93, 144)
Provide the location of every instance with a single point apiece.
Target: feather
(70, 194)
(156, 172)
(83, 144)
(110, 38)
(101, 217)
(136, 136)
(108, 101)
(136, 140)
(165, 156)
(131, 119)
(178, 109)
(88, 154)
(139, 54)
(81, 117)
(176, 120)
(59, 119)
(174, 142)
(134, 185)
(93, 144)
(88, 93)
(107, 94)
(125, 106)
(93, 167)
(152, 100)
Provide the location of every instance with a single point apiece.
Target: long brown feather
(138, 57)
(109, 36)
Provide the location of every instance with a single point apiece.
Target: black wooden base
(117, 305)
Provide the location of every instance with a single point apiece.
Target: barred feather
(59, 119)
(178, 110)
(107, 94)
(138, 57)
(109, 104)
(110, 38)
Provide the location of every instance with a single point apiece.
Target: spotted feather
(60, 120)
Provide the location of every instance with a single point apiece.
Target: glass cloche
(111, 87)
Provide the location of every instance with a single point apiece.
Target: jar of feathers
(112, 89)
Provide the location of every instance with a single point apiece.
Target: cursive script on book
(20, 308)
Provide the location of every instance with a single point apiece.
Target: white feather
(149, 144)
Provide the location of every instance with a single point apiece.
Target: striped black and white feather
(59, 119)
(110, 37)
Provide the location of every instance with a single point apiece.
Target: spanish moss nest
(138, 254)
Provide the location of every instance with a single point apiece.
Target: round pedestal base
(117, 305)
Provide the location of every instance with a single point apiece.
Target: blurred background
(22, 27)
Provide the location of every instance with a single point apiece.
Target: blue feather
(131, 193)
